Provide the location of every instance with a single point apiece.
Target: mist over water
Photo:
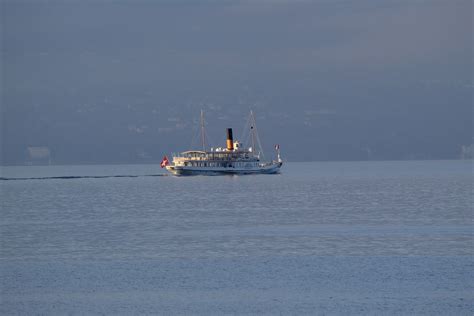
(121, 82)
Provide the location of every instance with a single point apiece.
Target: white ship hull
(270, 168)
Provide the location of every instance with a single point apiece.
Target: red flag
(164, 162)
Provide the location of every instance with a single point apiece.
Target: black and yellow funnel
(230, 140)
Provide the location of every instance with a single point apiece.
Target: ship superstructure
(232, 159)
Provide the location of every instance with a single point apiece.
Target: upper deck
(198, 155)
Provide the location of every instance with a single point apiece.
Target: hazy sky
(123, 81)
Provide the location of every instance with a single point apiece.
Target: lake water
(319, 238)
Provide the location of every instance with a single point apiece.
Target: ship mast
(254, 135)
(203, 137)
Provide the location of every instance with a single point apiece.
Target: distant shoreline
(158, 163)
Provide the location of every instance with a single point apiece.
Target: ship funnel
(230, 140)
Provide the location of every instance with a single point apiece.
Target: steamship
(233, 159)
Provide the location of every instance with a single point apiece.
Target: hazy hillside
(104, 82)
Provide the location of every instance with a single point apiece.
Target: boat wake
(82, 177)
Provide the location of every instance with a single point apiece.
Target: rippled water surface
(349, 237)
